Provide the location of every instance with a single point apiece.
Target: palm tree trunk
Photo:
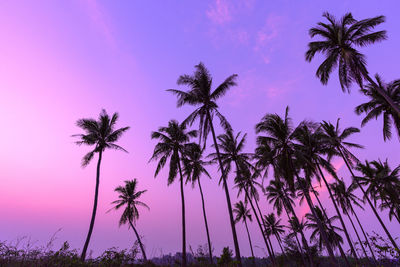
(248, 235)
(259, 225)
(263, 232)
(342, 254)
(228, 199)
(390, 101)
(369, 201)
(365, 236)
(321, 228)
(353, 251)
(205, 222)
(280, 244)
(303, 238)
(184, 263)
(298, 243)
(96, 195)
(140, 242)
(272, 249)
(358, 237)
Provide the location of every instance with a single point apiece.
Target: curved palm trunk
(272, 249)
(260, 226)
(96, 196)
(358, 237)
(140, 241)
(342, 254)
(369, 202)
(228, 199)
(184, 263)
(248, 235)
(365, 236)
(321, 228)
(298, 243)
(265, 236)
(303, 238)
(393, 105)
(205, 222)
(353, 251)
(280, 244)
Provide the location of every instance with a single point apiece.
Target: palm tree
(201, 96)
(378, 105)
(312, 145)
(345, 198)
(194, 169)
(243, 214)
(231, 147)
(336, 139)
(128, 198)
(382, 184)
(101, 134)
(277, 148)
(275, 228)
(277, 194)
(340, 40)
(174, 141)
(334, 238)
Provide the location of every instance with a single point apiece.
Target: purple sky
(61, 61)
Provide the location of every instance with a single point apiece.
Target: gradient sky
(61, 61)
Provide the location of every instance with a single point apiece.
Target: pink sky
(61, 61)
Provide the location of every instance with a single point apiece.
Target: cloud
(219, 12)
(101, 21)
(269, 31)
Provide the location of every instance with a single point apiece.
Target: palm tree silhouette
(382, 184)
(193, 170)
(231, 147)
(334, 238)
(346, 198)
(336, 139)
(174, 141)
(378, 105)
(243, 214)
(274, 227)
(312, 145)
(201, 96)
(340, 38)
(128, 198)
(277, 148)
(102, 135)
(279, 195)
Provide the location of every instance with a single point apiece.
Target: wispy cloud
(219, 12)
(101, 21)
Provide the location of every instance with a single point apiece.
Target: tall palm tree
(230, 152)
(278, 145)
(194, 169)
(334, 238)
(277, 194)
(129, 198)
(275, 228)
(201, 95)
(382, 184)
(312, 145)
(336, 138)
(102, 135)
(378, 105)
(231, 147)
(243, 214)
(345, 198)
(340, 40)
(174, 142)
